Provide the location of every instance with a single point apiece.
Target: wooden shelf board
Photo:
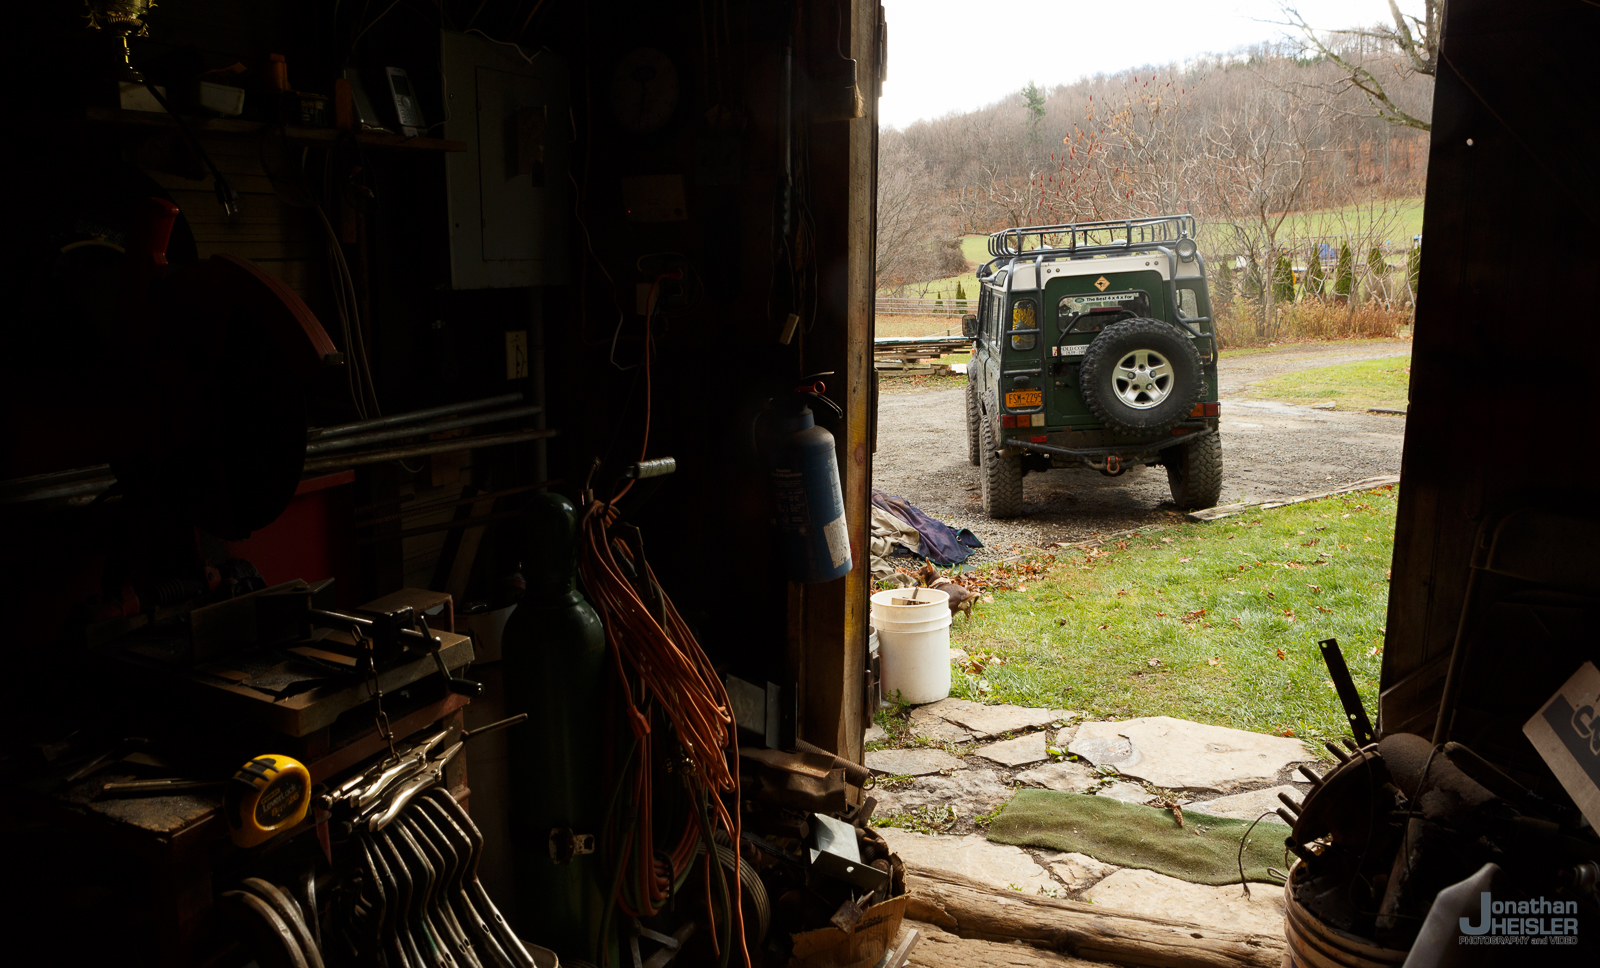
(233, 126)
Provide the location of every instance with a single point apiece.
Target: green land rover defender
(1093, 348)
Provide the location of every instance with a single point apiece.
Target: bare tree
(1260, 158)
(1411, 45)
(914, 235)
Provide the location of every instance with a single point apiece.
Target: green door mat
(1204, 850)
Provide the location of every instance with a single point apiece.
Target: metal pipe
(54, 491)
(360, 458)
(414, 416)
(321, 446)
(56, 477)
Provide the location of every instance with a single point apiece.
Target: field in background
(1350, 386)
(1403, 215)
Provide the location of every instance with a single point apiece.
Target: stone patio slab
(924, 723)
(1180, 755)
(996, 865)
(1067, 776)
(968, 792)
(989, 721)
(1227, 907)
(875, 734)
(1022, 751)
(1249, 806)
(1078, 871)
(911, 762)
(1124, 791)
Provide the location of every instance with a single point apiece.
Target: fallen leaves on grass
(1324, 609)
(1153, 662)
(1198, 613)
(1282, 654)
(1182, 560)
(1215, 660)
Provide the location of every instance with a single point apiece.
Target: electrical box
(508, 193)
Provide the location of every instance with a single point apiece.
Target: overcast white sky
(956, 55)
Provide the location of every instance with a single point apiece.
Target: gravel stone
(1271, 450)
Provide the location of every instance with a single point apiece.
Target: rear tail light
(1008, 420)
(1205, 410)
(1038, 440)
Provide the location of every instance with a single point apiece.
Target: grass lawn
(1216, 622)
(918, 325)
(1352, 386)
(1402, 221)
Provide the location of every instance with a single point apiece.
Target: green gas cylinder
(554, 651)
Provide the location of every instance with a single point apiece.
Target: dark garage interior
(413, 402)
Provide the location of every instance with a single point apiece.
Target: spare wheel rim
(1142, 379)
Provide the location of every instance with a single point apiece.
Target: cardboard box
(862, 948)
(1566, 732)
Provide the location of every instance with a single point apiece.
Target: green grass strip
(1352, 386)
(1216, 622)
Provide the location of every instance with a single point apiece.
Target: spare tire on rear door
(1141, 376)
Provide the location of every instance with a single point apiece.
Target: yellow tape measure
(267, 796)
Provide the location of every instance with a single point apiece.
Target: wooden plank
(260, 250)
(1082, 930)
(209, 127)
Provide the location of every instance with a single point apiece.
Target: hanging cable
(661, 671)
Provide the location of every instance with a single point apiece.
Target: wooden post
(843, 156)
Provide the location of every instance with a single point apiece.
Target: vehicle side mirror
(969, 326)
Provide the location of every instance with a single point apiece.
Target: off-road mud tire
(1194, 472)
(1100, 368)
(1001, 476)
(974, 416)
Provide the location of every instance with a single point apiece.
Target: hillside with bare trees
(1299, 184)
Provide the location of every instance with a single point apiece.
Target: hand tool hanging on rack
(405, 890)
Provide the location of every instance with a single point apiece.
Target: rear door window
(1024, 315)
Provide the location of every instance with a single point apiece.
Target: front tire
(1002, 477)
(1194, 473)
(974, 437)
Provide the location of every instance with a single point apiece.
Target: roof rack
(1095, 236)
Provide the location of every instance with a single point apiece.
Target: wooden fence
(898, 306)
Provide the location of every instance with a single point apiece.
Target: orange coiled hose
(672, 673)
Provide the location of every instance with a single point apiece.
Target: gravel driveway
(1270, 450)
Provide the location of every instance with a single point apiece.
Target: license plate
(1075, 349)
(1020, 399)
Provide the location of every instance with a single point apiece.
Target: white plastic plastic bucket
(913, 644)
(926, 603)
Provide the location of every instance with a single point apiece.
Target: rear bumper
(1097, 456)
